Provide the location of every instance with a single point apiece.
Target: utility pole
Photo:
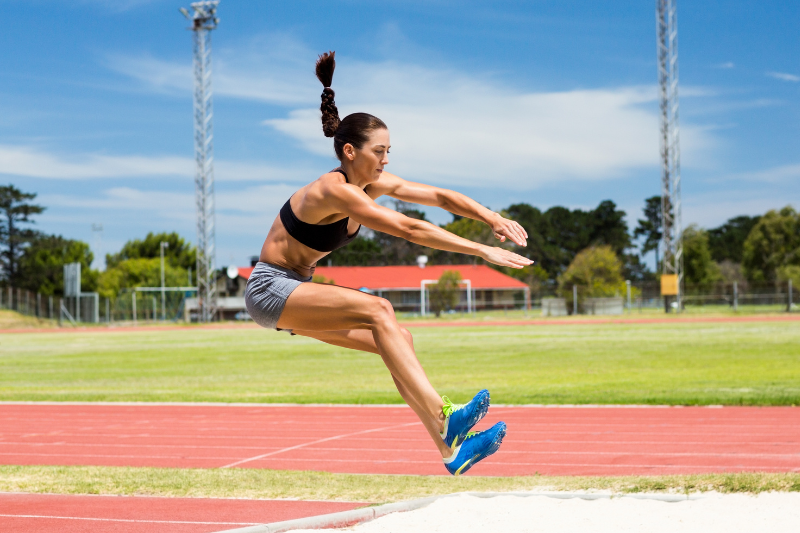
(667, 50)
(161, 247)
(203, 16)
(97, 230)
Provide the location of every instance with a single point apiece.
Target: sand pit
(703, 513)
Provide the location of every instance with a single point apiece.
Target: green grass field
(754, 363)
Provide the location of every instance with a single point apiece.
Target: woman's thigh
(322, 307)
(355, 339)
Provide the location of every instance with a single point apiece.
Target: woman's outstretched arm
(452, 201)
(351, 201)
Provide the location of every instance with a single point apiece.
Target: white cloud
(784, 76)
(274, 69)
(726, 65)
(33, 162)
(118, 5)
(711, 209)
(246, 211)
(169, 205)
(452, 129)
(780, 174)
(448, 128)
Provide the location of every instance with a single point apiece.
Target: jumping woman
(327, 214)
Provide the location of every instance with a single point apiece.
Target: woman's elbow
(413, 230)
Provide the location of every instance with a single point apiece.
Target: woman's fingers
(512, 230)
(502, 257)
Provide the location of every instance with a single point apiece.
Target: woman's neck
(352, 176)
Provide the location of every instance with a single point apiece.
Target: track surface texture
(32, 513)
(390, 440)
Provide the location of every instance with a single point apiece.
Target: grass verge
(14, 320)
(747, 363)
(271, 484)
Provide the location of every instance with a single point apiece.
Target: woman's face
(369, 160)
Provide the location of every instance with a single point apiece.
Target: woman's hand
(503, 257)
(504, 228)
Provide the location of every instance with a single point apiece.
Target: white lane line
(620, 453)
(421, 438)
(690, 467)
(257, 457)
(109, 456)
(87, 445)
(786, 456)
(129, 520)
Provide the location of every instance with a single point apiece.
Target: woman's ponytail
(354, 128)
(330, 114)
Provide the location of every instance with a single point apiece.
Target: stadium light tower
(667, 49)
(203, 16)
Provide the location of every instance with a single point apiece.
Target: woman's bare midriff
(285, 251)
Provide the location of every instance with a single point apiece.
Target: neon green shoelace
(449, 407)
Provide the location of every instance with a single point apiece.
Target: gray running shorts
(267, 290)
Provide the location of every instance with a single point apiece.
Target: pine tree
(15, 212)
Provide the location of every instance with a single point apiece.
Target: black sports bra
(319, 237)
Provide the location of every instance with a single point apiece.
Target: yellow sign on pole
(669, 285)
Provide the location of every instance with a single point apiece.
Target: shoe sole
(496, 442)
(477, 416)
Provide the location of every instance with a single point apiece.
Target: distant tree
(140, 272)
(774, 242)
(650, 227)
(362, 251)
(179, 254)
(15, 212)
(597, 271)
(790, 272)
(316, 278)
(634, 269)
(41, 265)
(609, 227)
(444, 294)
(726, 242)
(470, 229)
(732, 273)
(539, 248)
(556, 236)
(699, 267)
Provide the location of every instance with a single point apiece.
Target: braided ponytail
(354, 128)
(330, 114)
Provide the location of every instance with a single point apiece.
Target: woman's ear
(349, 151)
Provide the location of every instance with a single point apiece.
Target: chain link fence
(641, 297)
(145, 305)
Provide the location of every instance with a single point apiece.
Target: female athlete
(327, 214)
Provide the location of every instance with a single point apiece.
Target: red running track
(389, 439)
(40, 513)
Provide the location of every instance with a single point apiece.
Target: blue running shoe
(477, 445)
(459, 419)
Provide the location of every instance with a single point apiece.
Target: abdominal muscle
(285, 251)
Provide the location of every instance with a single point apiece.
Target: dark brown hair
(354, 128)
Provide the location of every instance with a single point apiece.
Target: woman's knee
(407, 335)
(382, 312)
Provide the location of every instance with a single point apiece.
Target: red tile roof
(409, 277)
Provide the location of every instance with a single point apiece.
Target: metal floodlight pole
(667, 50)
(203, 16)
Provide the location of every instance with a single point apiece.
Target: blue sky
(546, 102)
